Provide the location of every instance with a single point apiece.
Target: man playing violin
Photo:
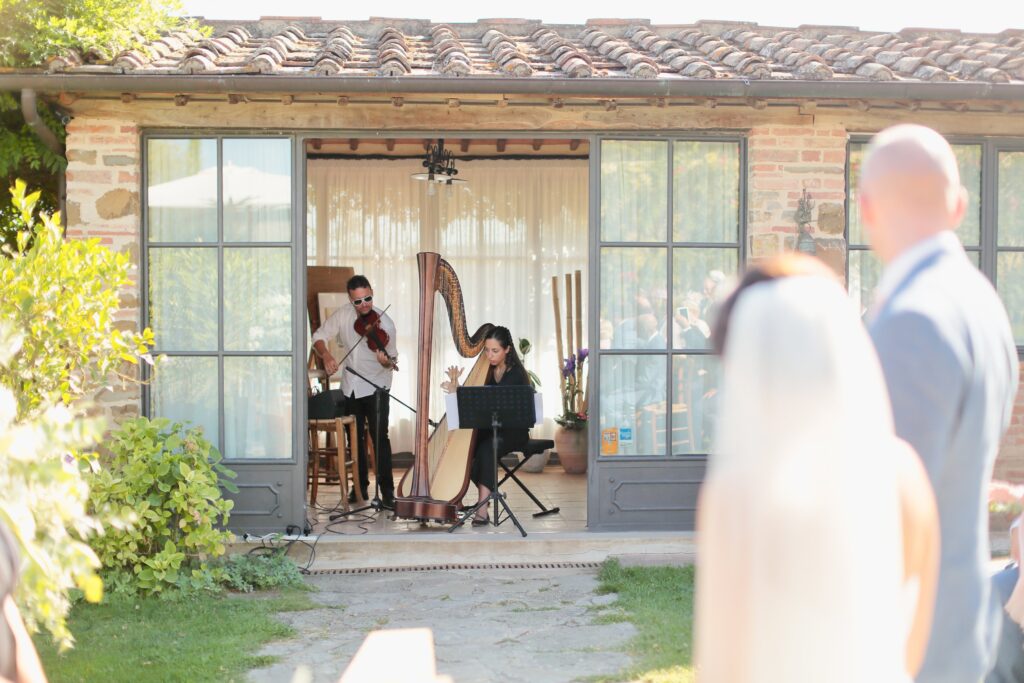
(349, 325)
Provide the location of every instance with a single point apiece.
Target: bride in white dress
(814, 533)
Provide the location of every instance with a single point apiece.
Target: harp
(435, 485)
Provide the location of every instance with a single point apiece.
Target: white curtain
(507, 231)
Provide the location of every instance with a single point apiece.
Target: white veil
(800, 569)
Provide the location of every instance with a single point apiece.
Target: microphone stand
(376, 504)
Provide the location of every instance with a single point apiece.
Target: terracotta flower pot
(571, 446)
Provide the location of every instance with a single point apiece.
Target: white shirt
(904, 264)
(341, 326)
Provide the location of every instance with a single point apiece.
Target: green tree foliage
(43, 504)
(58, 346)
(23, 155)
(34, 30)
(63, 296)
(163, 479)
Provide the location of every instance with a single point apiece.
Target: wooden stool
(344, 452)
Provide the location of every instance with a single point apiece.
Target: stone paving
(509, 625)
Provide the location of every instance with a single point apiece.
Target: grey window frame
(298, 220)
(669, 244)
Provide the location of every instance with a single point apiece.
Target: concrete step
(437, 547)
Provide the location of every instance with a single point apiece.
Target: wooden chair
(335, 458)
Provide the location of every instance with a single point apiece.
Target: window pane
(184, 389)
(181, 196)
(865, 271)
(257, 299)
(183, 298)
(1010, 285)
(696, 274)
(257, 407)
(257, 190)
(1010, 231)
(634, 300)
(968, 158)
(694, 391)
(706, 201)
(969, 161)
(633, 405)
(634, 191)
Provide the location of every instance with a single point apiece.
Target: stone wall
(103, 181)
(783, 161)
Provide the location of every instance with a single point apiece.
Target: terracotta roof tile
(451, 58)
(604, 48)
(506, 53)
(572, 60)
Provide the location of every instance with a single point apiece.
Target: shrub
(43, 503)
(58, 346)
(62, 297)
(247, 573)
(162, 480)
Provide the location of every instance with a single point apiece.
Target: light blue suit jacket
(951, 366)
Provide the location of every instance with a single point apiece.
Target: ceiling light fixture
(440, 165)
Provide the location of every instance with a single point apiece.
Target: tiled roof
(600, 49)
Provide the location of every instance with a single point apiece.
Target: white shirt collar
(903, 264)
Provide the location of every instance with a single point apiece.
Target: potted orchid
(571, 435)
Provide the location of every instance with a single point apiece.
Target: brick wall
(103, 201)
(1010, 464)
(783, 161)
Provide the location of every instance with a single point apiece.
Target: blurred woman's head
(786, 265)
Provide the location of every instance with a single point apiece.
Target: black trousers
(483, 469)
(365, 411)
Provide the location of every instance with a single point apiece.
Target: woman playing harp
(504, 369)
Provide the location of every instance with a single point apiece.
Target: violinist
(367, 334)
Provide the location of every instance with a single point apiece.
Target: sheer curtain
(506, 232)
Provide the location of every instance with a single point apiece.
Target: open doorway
(519, 219)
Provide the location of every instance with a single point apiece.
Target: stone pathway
(522, 625)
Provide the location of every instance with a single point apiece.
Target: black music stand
(495, 407)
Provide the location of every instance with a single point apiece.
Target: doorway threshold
(468, 547)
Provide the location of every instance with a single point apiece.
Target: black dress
(482, 470)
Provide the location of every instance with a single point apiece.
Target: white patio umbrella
(244, 186)
(257, 205)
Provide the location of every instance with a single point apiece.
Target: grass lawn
(659, 602)
(203, 639)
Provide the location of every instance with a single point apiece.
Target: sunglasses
(365, 299)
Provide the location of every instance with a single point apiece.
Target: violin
(368, 326)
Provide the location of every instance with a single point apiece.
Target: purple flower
(582, 354)
(570, 367)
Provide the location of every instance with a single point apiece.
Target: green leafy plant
(63, 297)
(524, 348)
(44, 505)
(162, 481)
(260, 571)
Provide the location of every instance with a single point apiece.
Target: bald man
(949, 359)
